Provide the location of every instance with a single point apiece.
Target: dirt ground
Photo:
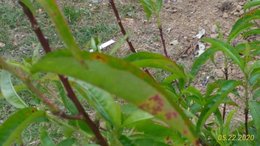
(182, 20)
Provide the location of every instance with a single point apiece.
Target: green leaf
(29, 5)
(16, 123)
(243, 23)
(147, 59)
(101, 101)
(254, 78)
(228, 50)
(256, 94)
(251, 32)
(121, 79)
(251, 45)
(216, 100)
(159, 4)
(253, 68)
(251, 4)
(148, 142)
(65, 99)
(8, 91)
(254, 107)
(61, 26)
(147, 6)
(157, 131)
(126, 141)
(133, 114)
(67, 142)
(45, 139)
(194, 94)
(202, 60)
(227, 125)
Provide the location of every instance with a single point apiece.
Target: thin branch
(112, 3)
(123, 31)
(20, 74)
(23, 77)
(71, 117)
(45, 44)
(246, 110)
(163, 41)
(226, 78)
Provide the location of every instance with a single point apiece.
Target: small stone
(241, 3)
(239, 7)
(174, 42)
(206, 22)
(174, 10)
(214, 35)
(214, 28)
(2, 45)
(169, 30)
(241, 12)
(225, 15)
(167, 7)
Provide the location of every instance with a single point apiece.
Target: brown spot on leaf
(185, 132)
(33, 110)
(153, 105)
(171, 115)
(99, 57)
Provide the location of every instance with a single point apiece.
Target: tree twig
(112, 3)
(226, 78)
(45, 44)
(163, 41)
(20, 74)
(123, 31)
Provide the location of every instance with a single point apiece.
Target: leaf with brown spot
(120, 78)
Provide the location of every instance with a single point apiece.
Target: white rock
(214, 28)
(2, 45)
(225, 15)
(239, 7)
(201, 50)
(200, 34)
(174, 42)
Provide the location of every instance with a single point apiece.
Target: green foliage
(45, 139)
(130, 81)
(8, 91)
(11, 129)
(151, 7)
(131, 108)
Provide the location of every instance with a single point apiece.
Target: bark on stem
(112, 3)
(45, 44)
(163, 41)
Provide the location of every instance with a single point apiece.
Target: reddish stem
(163, 41)
(112, 3)
(225, 105)
(45, 44)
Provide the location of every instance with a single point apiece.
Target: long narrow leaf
(12, 128)
(228, 50)
(243, 24)
(251, 4)
(45, 139)
(147, 59)
(122, 79)
(254, 107)
(8, 91)
(202, 60)
(101, 101)
(61, 25)
(215, 101)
